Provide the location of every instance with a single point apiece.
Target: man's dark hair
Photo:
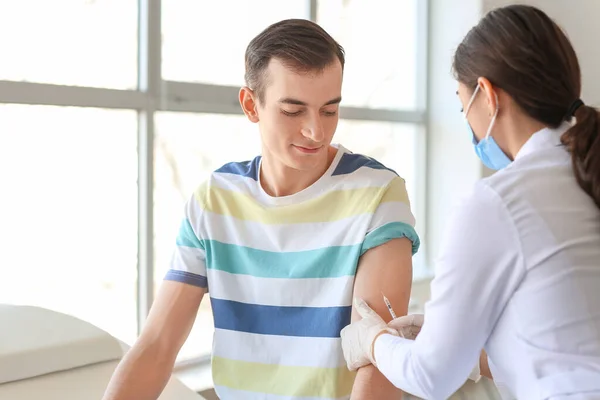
(299, 44)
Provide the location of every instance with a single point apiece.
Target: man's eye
(291, 114)
(329, 113)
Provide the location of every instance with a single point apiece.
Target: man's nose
(314, 130)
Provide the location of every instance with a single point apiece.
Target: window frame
(154, 94)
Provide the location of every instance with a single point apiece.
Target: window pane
(69, 212)
(70, 42)
(380, 39)
(188, 147)
(392, 144)
(205, 41)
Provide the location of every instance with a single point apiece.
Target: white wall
(452, 165)
(581, 21)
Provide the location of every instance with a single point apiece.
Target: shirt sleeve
(479, 268)
(392, 218)
(188, 262)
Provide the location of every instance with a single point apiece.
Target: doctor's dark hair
(526, 54)
(299, 44)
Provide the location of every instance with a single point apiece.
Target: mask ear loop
(489, 131)
(471, 101)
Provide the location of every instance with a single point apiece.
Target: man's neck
(279, 180)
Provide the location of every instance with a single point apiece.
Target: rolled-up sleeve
(392, 218)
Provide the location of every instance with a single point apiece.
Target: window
(69, 212)
(380, 39)
(113, 111)
(209, 47)
(70, 42)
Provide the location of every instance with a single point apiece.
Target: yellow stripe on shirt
(282, 380)
(335, 205)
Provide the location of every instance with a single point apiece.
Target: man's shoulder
(234, 173)
(360, 167)
(238, 169)
(233, 176)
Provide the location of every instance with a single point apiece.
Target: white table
(51, 356)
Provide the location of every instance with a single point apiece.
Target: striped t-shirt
(281, 271)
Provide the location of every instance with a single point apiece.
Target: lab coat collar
(543, 139)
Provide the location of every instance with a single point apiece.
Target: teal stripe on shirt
(187, 237)
(387, 232)
(327, 262)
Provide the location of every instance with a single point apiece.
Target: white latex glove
(359, 336)
(409, 327)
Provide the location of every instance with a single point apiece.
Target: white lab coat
(518, 275)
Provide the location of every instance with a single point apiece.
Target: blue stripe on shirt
(350, 162)
(186, 277)
(249, 169)
(282, 321)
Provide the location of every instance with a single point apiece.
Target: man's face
(298, 115)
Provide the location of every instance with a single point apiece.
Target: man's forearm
(370, 384)
(141, 375)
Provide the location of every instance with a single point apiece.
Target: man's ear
(249, 103)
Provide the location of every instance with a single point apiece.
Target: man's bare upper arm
(171, 317)
(385, 269)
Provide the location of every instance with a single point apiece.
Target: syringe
(389, 306)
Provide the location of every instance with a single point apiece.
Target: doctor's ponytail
(525, 53)
(583, 142)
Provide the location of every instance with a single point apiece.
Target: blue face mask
(487, 149)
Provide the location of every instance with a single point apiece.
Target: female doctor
(519, 271)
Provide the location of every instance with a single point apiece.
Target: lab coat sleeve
(188, 262)
(479, 268)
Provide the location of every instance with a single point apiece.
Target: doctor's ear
(490, 93)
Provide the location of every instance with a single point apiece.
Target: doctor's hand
(358, 337)
(408, 326)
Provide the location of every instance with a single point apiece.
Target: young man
(283, 242)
